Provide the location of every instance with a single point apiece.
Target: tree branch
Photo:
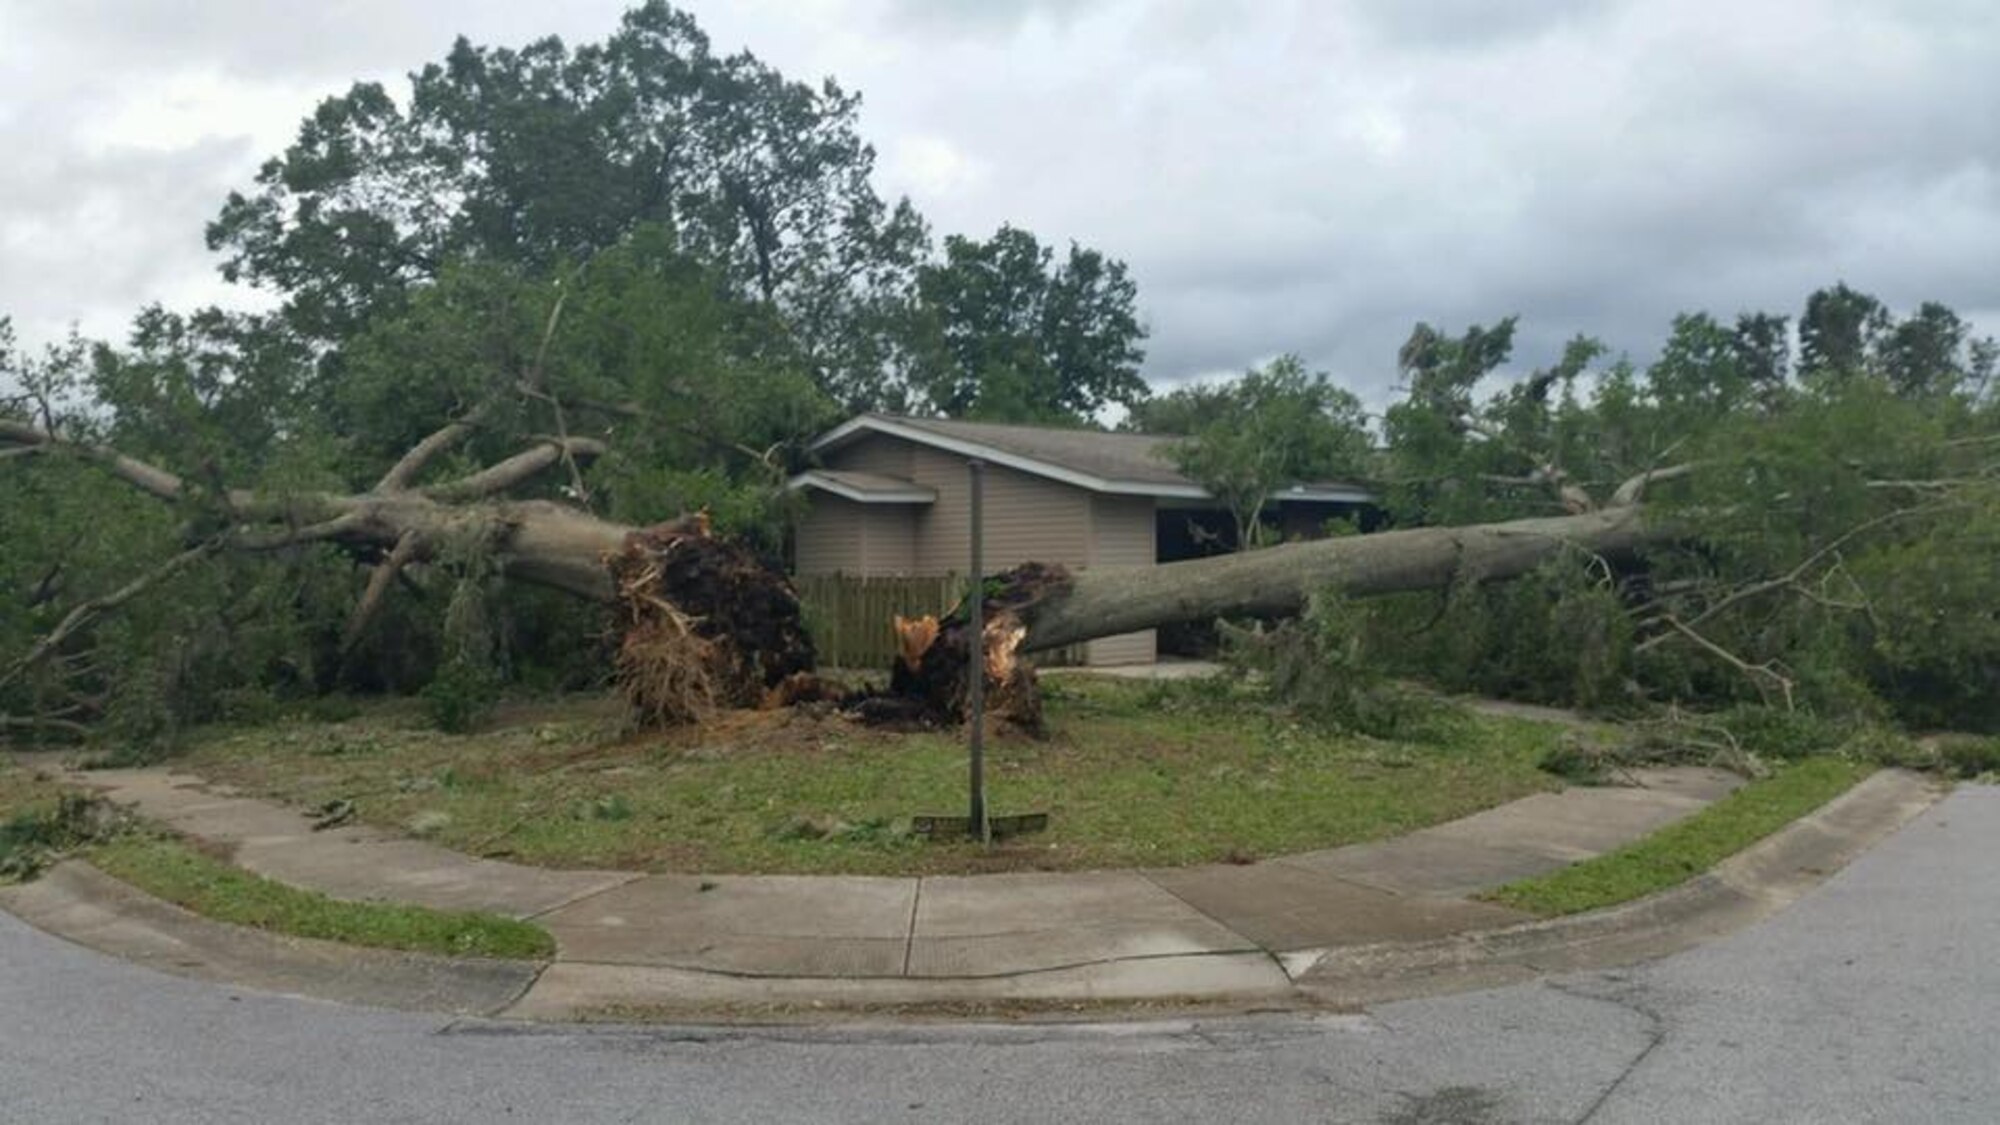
(581, 490)
(514, 470)
(406, 468)
(16, 436)
(40, 722)
(1790, 579)
(1634, 490)
(767, 458)
(1752, 671)
(82, 615)
(163, 485)
(335, 528)
(406, 548)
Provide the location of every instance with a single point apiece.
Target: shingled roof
(1121, 463)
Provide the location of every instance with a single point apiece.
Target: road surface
(1876, 998)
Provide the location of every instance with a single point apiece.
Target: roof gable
(1115, 463)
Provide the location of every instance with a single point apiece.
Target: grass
(34, 829)
(172, 870)
(1132, 775)
(1683, 850)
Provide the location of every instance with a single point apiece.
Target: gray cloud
(1468, 24)
(976, 17)
(330, 42)
(1281, 175)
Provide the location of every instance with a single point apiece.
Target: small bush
(1198, 695)
(461, 695)
(1582, 760)
(1775, 733)
(1963, 756)
(33, 838)
(1319, 667)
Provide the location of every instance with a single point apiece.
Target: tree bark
(1276, 581)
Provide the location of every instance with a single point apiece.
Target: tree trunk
(1276, 581)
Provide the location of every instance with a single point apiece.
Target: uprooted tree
(704, 620)
(1713, 527)
(1808, 531)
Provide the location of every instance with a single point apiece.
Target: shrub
(1318, 665)
(1773, 732)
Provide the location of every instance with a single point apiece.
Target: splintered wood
(928, 684)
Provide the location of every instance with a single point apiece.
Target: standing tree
(1002, 331)
(1274, 426)
(1838, 331)
(547, 153)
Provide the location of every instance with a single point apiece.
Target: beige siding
(839, 536)
(889, 539)
(830, 536)
(1028, 519)
(876, 453)
(1123, 534)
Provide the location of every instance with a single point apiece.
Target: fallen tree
(704, 623)
(1036, 608)
(1276, 581)
(737, 619)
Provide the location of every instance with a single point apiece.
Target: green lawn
(32, 829)
(1132, 775)
(174, 871)
(1681, 851)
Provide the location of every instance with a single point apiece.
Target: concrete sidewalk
(628, 940)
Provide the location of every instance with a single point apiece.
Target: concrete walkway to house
(627, 939)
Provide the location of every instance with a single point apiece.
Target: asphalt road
(1876, 998)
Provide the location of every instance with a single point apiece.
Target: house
(893, 498)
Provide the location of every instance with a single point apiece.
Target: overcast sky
(1281, 175)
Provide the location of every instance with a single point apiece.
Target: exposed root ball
(705, 624)
(667, 672)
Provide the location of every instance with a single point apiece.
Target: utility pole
(975, 683)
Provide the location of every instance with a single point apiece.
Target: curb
(76, 901)
(1745, 888)
(571, 991)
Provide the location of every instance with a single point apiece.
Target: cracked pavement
(1868, 1000)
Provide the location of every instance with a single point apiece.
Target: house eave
(914, 494)
(865, 424)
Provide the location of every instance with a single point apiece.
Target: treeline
(676, 261)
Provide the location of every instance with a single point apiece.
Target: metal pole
(975, 683)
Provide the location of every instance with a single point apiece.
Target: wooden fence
(851, 618)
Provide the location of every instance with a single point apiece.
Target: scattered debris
(429, 822)
(1001, 827)
(811, 826)
(32, 841)
(332, 814)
